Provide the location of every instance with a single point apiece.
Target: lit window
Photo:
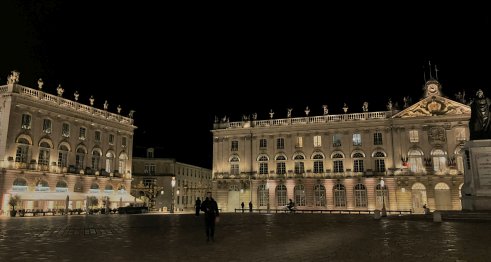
(357, 139)
(299, 142)
(413, 136)
(460, 134)
(317, 141)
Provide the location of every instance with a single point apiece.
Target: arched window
(19, 185)
(96, 159)
(439, 158)
(42, 186)
(358, 165)
(361, 196)
(80, 157)
(108, 189)
(320, 195)
(22, 150)
(281, 195)
(339, 195)
(122, 163)
(109, 161)
(415, 161)
(280, 165)
(43, 159)
(94, 188)
(300, 195)
(234, 165)
(299, 164)
(337, 160)
(379, 161)
(263, 164)
(63, 156)
(263, 195)
(61, 186)
(318, 163)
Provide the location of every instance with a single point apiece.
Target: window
(42, 186)
(263, 195)
(317, 141)
(61, 186)
(377, 138)
(97, 136)
(111, 139)
(460, 134)
(415, 161)
(299, 195)
(439, 158)
(357, 139)
(19, 185)
(320, 196)
(339, 196)
(336, 140)
(80, 158)
(150, 169)
(379, 161)
(43, 158)
(234, 165)
(65, 130)
(281, 195)
(280, 143)
(413, 136)
(26, 121)
(299, 164)
(124, 141)
(235, 146)
(94, 188)
(22, 150)
(263, 165)
(280, 165)
(47, 126)
(83, 132)
(318, 163)
(96, 159)
(150, 153)
(358, 162)
(263, 143)
(122, 163)
(62, 156)
(338, 163)
(109, 162)
(361, 196)
(299, 142)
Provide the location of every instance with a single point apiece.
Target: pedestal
(476, 192)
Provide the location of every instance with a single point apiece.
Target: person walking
(250, 206)
(210, 207)
(197, 205)
(242, 205)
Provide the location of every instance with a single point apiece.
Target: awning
(117, 197)
(54, 196)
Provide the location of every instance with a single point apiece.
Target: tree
(13, 201)
(93, 201)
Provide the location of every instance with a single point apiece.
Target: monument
(476, 192)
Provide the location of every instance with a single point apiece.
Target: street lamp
(382, 185)
(173, 184)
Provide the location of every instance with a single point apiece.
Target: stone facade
(52, 148)
(152, 182)
(338, 161)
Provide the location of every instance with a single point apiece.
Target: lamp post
(173, 184)
(177, 208)
(382, 185)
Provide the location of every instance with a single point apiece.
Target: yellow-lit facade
(337, 162)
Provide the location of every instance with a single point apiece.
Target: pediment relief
(434, 106)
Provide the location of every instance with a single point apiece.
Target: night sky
(186, 64)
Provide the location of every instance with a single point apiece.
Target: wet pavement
(242, 237)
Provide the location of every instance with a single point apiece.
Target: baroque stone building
(337, 162)
(55, 152)
(152, 182)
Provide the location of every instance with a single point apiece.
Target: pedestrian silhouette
(242, 205)
(250, 206)
(210, 207)
(197, 205)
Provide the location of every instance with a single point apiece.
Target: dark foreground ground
(243, 237)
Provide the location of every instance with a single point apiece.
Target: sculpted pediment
(434, 106)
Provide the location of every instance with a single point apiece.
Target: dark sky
(185, 64)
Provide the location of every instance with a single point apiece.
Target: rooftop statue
(40, 83)
(271, 113)
(479, 124)
(307, 111)
(119, 109)
(389, 105)
(91, 99)
(60, 90)
(289, 113)
(345, 108)
(76, 95)
(106, 105)
(13, 78)
(326, 111)
(365, 106)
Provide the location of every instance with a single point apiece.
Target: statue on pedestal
(271, 113)
(76, 95)
(40, 83)
(479, 124)
(307, 111)
(289, 113)
(119, 109)
(365, 106)
(91, 99)
(326, 111)
(60, 90)
(106, 105)
(13, 78)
